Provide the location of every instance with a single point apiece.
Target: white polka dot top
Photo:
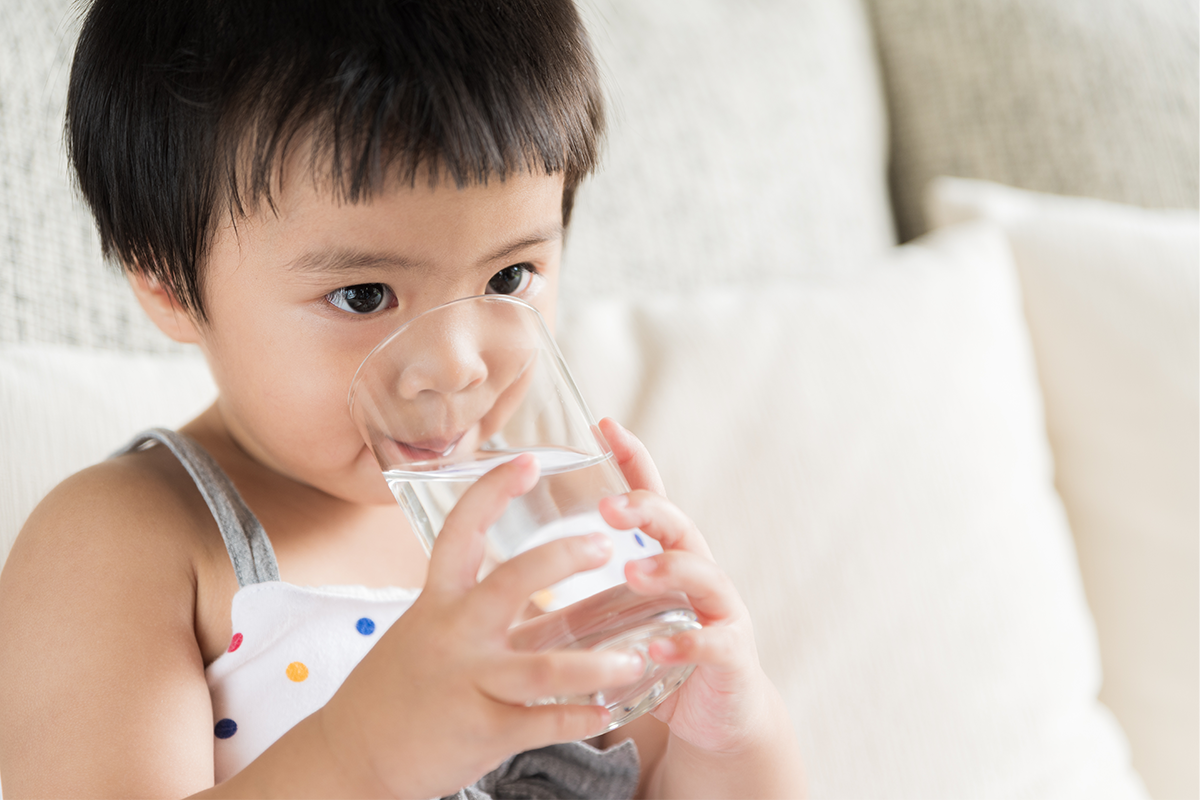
(292, 646)
(291, 649)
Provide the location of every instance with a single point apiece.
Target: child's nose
(450, 362)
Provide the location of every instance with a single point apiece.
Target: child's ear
(163, 309)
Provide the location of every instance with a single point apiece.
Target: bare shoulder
(124, 520)
(98, 654)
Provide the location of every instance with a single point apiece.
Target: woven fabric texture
(54, 287)
(1090, 98)
(748, 141)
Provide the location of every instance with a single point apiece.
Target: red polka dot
(235, 642)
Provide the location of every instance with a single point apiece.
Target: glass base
(616, 619)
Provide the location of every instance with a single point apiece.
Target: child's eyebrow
(340, 259)
(551, 234)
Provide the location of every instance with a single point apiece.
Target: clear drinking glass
(470, 385)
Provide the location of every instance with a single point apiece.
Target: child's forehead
(308, 176)
(315, 223)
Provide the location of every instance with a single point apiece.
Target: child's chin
(363, 495)
(375, 498)
(372, 492)
(362, 484)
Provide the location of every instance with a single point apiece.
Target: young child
(285, 183)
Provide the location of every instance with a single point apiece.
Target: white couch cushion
(62, 409)
(867, 458)
(1112, 295)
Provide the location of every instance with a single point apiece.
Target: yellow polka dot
(297, 671)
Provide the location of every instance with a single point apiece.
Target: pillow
(1099, 98)
(866, 456)
(1112, 295)
(62, 409)
(746, 141)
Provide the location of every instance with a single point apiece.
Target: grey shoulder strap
(249, 548)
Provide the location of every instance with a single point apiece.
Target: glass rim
(502, 298)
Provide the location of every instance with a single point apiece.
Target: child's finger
(506, 590)
(530, 677)
(632, 457)
(656, 516)
(458, 549)
(710, 591)
(719, 647)
(539, 726)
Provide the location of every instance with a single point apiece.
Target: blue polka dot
(366, 626)
(225, 728)
(638, 538)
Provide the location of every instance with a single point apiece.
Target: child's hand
(439, 701)
(727, 707)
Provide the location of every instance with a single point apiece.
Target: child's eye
(511, 280)
(365, 298)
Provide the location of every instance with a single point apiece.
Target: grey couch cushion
(1094, 98)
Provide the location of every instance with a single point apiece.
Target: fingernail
(666, 648)
(627, 660)
(598, 545)
(619, 501)
(606, 720)
(646, 566)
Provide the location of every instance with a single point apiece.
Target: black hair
(181, 110)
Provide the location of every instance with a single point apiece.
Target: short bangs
(181, 111)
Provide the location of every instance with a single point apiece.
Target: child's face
(286, 331)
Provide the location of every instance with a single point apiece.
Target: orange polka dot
(297, 671)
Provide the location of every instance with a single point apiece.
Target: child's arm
(103, 681)
(729, 732)
(104, 688)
